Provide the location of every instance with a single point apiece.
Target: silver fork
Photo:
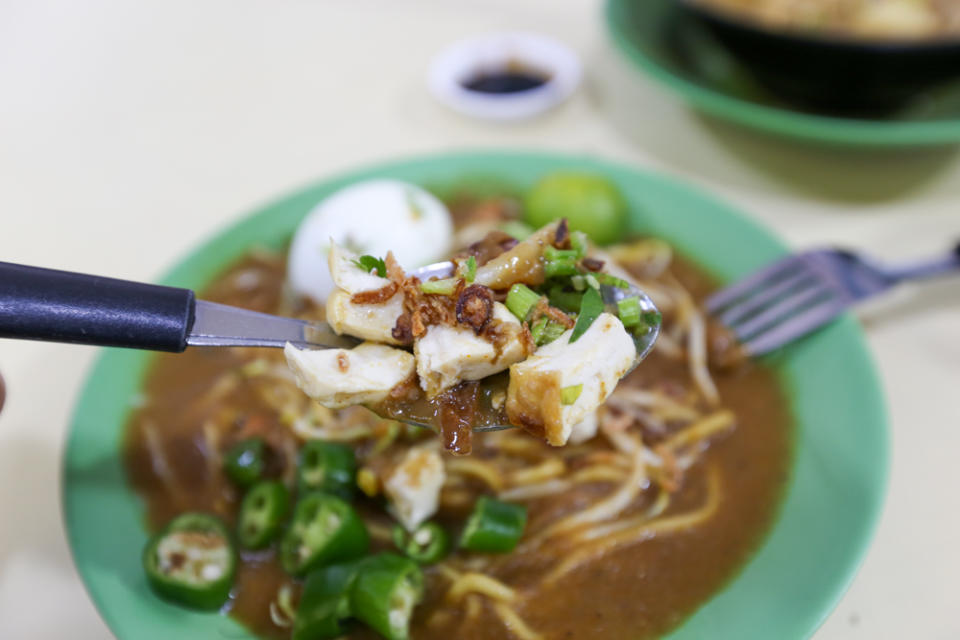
(802, 292)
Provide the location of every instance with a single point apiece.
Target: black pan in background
(839, 75)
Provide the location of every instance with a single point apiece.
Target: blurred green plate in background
(831, 501)
(657, 37)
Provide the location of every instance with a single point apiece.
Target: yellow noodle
(549, 468)
(521, 446)
(532, 491)
(455, 498)
(635, 530)
(668, 347)
(482, 584)
(697, 353)
(664, 406)
(159, 462)
(211, 449)
(701, 430)
(473, 608)
(597, 473)
(483, 471)
(609, 506)
(515, 623)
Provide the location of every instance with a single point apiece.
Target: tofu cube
(372, 322)
(343, 377)
(597, 360)
(413, 487)
(446, 355)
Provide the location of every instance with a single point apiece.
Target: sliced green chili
(329, 467)
(386, 590)
(245, 461)
(444, 287)
(520, 300)
(427, 544)
(569, 395)
(371, 263)
(494, 526)
(325, 603)
(590, 309)
(262, 513)
(324, 530)
(191, 562)
(629, 311)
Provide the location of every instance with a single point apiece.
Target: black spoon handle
(60, 306)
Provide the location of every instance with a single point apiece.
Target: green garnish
(520, 300)
(560, 267)
(579, 282)
(591, 281)
(579, 243)
(652, 318)
(612, 281)
(544, 331)
(569, 395)
(590, 309)
(629, 311)
(565, 300)
(552, 254)
(494, 526)
(370, 263)
(444, 287)
(470, 269)
(536, 330)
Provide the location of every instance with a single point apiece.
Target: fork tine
(763, 297)
(799, 325)
(782, 311)
(739, 289)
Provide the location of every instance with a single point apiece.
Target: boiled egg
(369, 218)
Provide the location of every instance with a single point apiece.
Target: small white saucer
(466, 59)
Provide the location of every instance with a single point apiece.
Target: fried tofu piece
(597, 361)
(447, 355)
(413, 487)
(342, 377)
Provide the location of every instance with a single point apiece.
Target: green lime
(589, 202)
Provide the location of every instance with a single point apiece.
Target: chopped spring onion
(629, 311)
(579, 243)
(544, 331)
(652, 318)
(371, 263)
(592, 281)
(552, 254)
(560, 267)
(536, 331)
(444, 287)
(569, 395)
(612, 281)
(565, 300)
(579, 282)
(590, 309)
(520, 300)
(469, 269)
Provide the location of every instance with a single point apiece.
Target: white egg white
(370, 217)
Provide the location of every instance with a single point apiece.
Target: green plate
(830, 505)
(656, 37)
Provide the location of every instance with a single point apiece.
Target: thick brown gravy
(638, 591)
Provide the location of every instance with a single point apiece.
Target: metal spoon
(61, 306)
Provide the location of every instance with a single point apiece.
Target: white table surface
(129, 130)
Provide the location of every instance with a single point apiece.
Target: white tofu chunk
(585, 430)
(446, 355)
(347, 275)
(372, 322)
(597, 360)
(342, 377)
(413, 487)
